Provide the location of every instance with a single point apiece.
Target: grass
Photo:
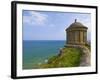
(70, 57)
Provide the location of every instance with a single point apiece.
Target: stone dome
(76, 25)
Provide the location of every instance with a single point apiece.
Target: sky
(48, 25)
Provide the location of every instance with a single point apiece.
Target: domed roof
(76, 24)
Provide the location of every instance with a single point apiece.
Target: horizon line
(34, 40)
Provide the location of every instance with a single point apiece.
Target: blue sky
(42, 25)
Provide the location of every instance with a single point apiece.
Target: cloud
(35, 18)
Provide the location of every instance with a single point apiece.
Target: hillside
(69, 57)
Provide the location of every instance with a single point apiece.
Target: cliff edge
(69, 56)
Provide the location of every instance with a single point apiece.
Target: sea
(36, 52)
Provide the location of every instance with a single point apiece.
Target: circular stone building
(76, 34)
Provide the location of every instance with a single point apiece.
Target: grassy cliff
(70, 57)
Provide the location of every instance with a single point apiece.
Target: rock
(46, 61)
(85, 59)
(60, 52)
(86, 56)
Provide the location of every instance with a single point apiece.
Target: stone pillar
(85, 37)
(71, 37)
(67, 37)
(76, 37)
(81, 37)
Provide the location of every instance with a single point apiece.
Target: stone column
(85, 36)
(66, 37)
(81, 37)
(69, 37)
(76, 37)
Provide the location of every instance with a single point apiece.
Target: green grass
(70, 57)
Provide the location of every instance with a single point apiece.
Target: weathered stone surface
(76, 34)
(86, 57)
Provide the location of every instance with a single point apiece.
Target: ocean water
(38, 52)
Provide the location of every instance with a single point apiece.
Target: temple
(76, 34)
